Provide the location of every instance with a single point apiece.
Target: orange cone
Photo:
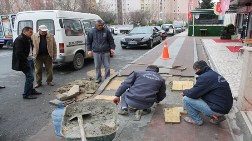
(165, 52)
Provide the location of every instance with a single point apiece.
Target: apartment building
(160, 10)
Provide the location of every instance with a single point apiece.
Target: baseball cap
(43, 28)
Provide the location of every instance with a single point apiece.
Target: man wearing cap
(44, 53)
(141, 90)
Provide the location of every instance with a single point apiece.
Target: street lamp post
(195, 16)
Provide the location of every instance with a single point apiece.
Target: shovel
(80, 121)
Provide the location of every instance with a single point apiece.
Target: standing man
(22, 60)
(211, 95)
(44, 53)
(141, 90)
(100, 44)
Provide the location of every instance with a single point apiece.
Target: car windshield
(141, 30)
(158, 27)
(166, 26)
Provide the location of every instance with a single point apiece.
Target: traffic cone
(165, 51)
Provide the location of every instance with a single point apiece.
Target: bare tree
(126, 18)
(138, 17)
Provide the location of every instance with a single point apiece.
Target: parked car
(162, 33)
(178, 28)
(145, 36)
(169, 28)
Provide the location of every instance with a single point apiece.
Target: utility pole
(119, 12)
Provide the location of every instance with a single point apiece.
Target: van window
(72, 27)
(87, 25)
(48, 23)
(22, 24)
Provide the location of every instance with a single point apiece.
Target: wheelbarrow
(100, 124)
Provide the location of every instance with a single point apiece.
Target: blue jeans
(102, 58)
(125, 102)
(196, 106)
(29, 78)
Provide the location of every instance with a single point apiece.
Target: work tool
(80, 121)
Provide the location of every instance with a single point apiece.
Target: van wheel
(78, 61)
(1, 46)
(9, 44)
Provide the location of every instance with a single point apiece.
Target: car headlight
(123, 40)
(145, 39)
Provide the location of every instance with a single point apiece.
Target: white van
(69, 30)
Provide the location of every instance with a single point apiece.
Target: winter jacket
(143, 87)
(51, 45)
(213, 89)
(100, 40)
(21, 50)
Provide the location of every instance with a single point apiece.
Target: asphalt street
(19, 118)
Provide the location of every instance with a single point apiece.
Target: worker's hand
(112, 52)
(116, 100)
(182, 94)
(90, 53)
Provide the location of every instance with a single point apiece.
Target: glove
(116, 100)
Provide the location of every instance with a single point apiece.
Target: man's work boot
(1, 87)
(146, 111)
(29, 97)
(217, 119)
(38, 85)
(190, 120)
(123, 111)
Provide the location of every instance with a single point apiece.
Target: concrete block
(61, 97)
(74, 91)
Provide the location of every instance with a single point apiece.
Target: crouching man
(141, 90)
(211, 95)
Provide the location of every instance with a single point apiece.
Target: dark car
(162, 33)
(146, 36)
(169, 28)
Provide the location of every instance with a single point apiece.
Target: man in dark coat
(141, 90)
(22, 60)
(211, 95)
(100, 45)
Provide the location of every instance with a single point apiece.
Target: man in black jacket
(100, 45)
(211, 95)
(140, 90)
(22, 60)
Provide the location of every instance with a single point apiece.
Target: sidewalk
(152, 127)
(229, 64)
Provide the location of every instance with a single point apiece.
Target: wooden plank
(105, 83)
(105, 97)
(177, 85)
(182, 85)
(114, 85)
(172, 115)
(187, 84)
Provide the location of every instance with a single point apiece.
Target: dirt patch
(87, 88)
(92, 72)
(101, 121)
